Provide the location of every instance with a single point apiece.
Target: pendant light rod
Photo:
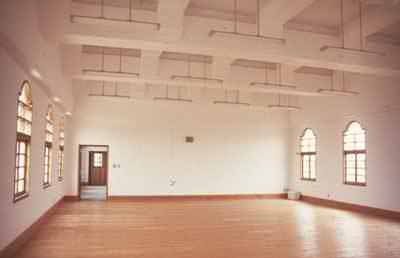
(227, 102)
(235, 32)
(337, 92)
(258, 18)
(167, 98)
(109, 73)
(279, 105)
(103, 92)
(103, 19)
(189, 77)
(361, 48)
(235, 16)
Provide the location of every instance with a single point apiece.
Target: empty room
(200, 128)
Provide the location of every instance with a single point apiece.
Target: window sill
(355, 184)
(45, 186)
(308, 179)
(20, 197)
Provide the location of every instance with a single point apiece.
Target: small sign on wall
(189, 139)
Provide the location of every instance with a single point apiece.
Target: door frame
(81, 146)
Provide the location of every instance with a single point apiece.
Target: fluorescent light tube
(282, 107)
(283, 89)
(232, 34)
(196, 79)
(111, 21)
(219, 102)
(172, 99)
(353, 50)
(110, 73)
(333, 92)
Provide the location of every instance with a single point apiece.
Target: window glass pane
(22, 147)
(21, 173)
(361, 179)
(21, 186)
(307, 142)
(351, 178)
(21, 161)
(98, 160)
(354, 137)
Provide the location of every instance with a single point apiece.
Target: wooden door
(97, 168)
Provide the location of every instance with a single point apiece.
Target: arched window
(23, 144)
(355, 154)
(308, 153)
(48, 147)
(61, 150)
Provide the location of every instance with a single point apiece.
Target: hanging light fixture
(115, 74)
(227, 102)
(189, 78)
(104, 94)
(284, 107)
(337, 92)
(359, 50)
(269, 87)
(279, 105)
(103, 20)
(167, 98)
(235, 32)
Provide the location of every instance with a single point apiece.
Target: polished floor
(212, 229)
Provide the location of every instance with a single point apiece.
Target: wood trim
(70, 198)
(351, 207)
(198, 197)
(11, 249)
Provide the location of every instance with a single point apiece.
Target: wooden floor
(212, 229)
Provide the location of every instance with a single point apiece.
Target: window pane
(361, 171)
(361, 179)
(21, 173)
(351, 178)
(22, 148)
(21, 161)
(21, 187)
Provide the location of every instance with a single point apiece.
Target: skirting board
(351, 207)
(11, 249)
(199, 197)
(71, 198)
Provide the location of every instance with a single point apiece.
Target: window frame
(26, 139)
(308, 154)
(48, 146)
(354, 152)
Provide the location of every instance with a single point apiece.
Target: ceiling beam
(171, 14)
(298, 51)
(274, 14)
(374, 20)
(149, 64)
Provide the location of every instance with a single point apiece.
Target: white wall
(26, 43)
(378, 110)
(16, 217)
(236, 151)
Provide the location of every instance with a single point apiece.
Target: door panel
(98, 168)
